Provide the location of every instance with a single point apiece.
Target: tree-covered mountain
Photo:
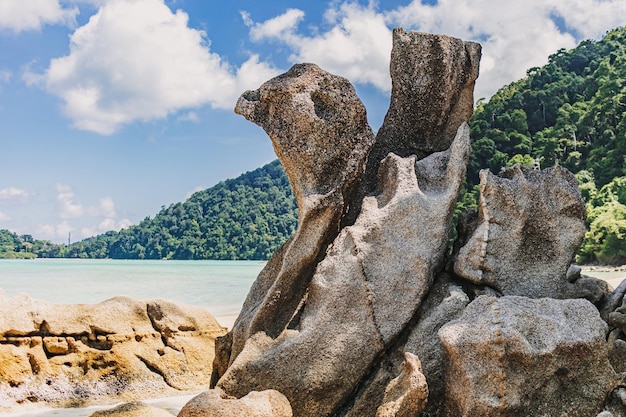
(571, 112)
(248, 217)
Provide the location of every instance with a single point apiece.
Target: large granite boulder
(386, 262)
(530, 225)
(514, 356)
(432, 93)
(122, 347)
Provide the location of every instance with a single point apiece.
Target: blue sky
(110, 109)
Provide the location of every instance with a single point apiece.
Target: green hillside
(248, 217)
(571, 112)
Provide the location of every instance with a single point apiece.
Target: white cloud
(55, 232)
(67, 208)
(192, 116)
(281, 27)
(5, 217)
(14, 195)
(105, 225)
(5, 76)
(106, 207)
(137, 60)
(357, 46)
(20, 15)
(515, 35)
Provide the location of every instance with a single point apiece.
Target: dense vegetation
(248, 217)
(571, 112)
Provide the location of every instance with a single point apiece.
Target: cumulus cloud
(55, 232)
(191, 116)
(357, 46)
(20, 15)
(515, 35)
(106, 207)
(67, 208)
(4, 217)
(105, 225)
(14, 195)
(138, 60)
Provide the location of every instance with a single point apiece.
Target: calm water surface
(218, 286)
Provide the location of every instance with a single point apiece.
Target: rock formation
(517, 356)
(122, 347)
(365, 311)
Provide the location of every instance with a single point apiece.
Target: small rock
(407, 394)
(214, 403)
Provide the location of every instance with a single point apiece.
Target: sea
(218, 286)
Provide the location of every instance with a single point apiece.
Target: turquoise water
(218, 286)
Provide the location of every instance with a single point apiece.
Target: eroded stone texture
(445, 302)
(433, 79)
(215, 403)
(319, 130)
(407, 394)
(74, 354)
(530, 226)
(514, 356)
(366, 289)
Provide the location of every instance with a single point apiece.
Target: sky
(111, 109)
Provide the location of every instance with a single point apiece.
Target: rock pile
(123, 348)
(367, 312)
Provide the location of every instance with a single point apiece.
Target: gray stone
(514, 356)
(407, 394)
(432, 91)
(319, 130)
(215, 403)
(386, 263)
(531, 224)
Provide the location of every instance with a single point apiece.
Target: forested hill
(571, 111)
(248, 217)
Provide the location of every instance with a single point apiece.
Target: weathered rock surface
(72, 354)
(432, 93)
(133, 409)
(319, 130)
(514, 356)
(215, 403)
(334, 320)
(407, 394)
(530, 226)
(386, 261)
